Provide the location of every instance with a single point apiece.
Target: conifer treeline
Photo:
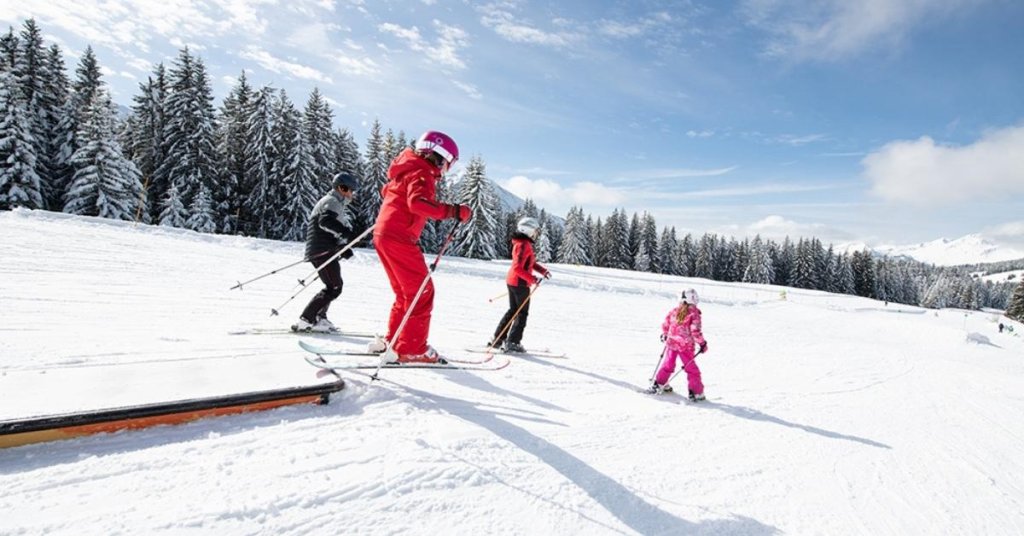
(256, 165)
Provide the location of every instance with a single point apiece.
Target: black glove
(347, 254)
(703, 347)
(664, 337)
(547, 275)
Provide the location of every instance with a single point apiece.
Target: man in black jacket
(329, 230)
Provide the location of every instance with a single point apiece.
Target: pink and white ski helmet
(689, 296)
(440, 143)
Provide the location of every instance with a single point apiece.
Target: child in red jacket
(519, 280)
(409, 198)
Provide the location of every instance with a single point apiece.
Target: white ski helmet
(689, 296)
(528, 226)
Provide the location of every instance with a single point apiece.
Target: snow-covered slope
(827, 414)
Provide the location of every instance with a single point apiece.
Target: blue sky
(876, 121)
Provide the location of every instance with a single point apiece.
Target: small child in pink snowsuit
(681, 332)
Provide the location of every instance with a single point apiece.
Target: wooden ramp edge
(19, 432)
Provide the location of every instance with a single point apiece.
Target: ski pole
(683, 367)
(316, 271)
(274, 312)
(661, 358)
(388, 352)
(499, 296)
(508, 324)
(272, 272)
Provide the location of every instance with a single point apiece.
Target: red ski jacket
(523, 262)
(409, 198)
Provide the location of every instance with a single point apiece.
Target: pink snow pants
(668, 366)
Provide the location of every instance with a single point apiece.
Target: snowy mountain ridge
(970, 249)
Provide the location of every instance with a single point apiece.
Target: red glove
(460, 212)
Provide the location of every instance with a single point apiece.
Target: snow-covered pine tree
(375, 176)
(105, 182)
(145, 146)
(317, 125)
(189, 148)
(863, 274)
(201, 214)
(648, 236)
(847, 283)
(575, 248)
(1015, 309)
(261, 203)
(542, 247)
(477, 237)
(705, 263)
(231, 140)
(802, 275)
(529, 208)
(633, 239)
(642, 261)
(32, 69)
(616, 241)
(785, 256)
(759, 267)
(173, 213)
(8, 50)
(667, 245)
(294, 171)
(57, 105)
(20, 185)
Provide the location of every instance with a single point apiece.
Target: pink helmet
(440, 143)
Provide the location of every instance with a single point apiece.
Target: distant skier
(1001, 327)
(329, 229)
(681, 332)
(409, 198)
(519, 280)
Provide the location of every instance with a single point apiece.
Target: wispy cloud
(277, 65)
(681, 173)
(796, 141)
(745, 191)
(500, 18)
(446, 49)
(837, 29)
(924, 173)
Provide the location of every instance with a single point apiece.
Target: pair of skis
(320, 354)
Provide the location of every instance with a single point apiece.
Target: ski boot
(696, 397)
(326, 325)
(305, 326)
(514, 348)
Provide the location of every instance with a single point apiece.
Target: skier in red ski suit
(519, 280)
(409, 198)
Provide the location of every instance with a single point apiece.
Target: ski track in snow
(826, 414)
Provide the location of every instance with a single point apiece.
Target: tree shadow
(628, 507)
(755, 415)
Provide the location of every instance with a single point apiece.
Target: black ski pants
(331, 276)
(517, 296)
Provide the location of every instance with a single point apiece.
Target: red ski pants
(406, 269)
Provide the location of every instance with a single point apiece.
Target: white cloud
(445, 52)
(470, 89)
(836, 29)
(927, 174)
(504, 23)
(777, 228)
(549, 193)
(700, 133)
(278, 65)
(653, 174)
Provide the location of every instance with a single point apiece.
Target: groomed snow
(826, 415)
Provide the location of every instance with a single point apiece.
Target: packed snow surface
(826, 414)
